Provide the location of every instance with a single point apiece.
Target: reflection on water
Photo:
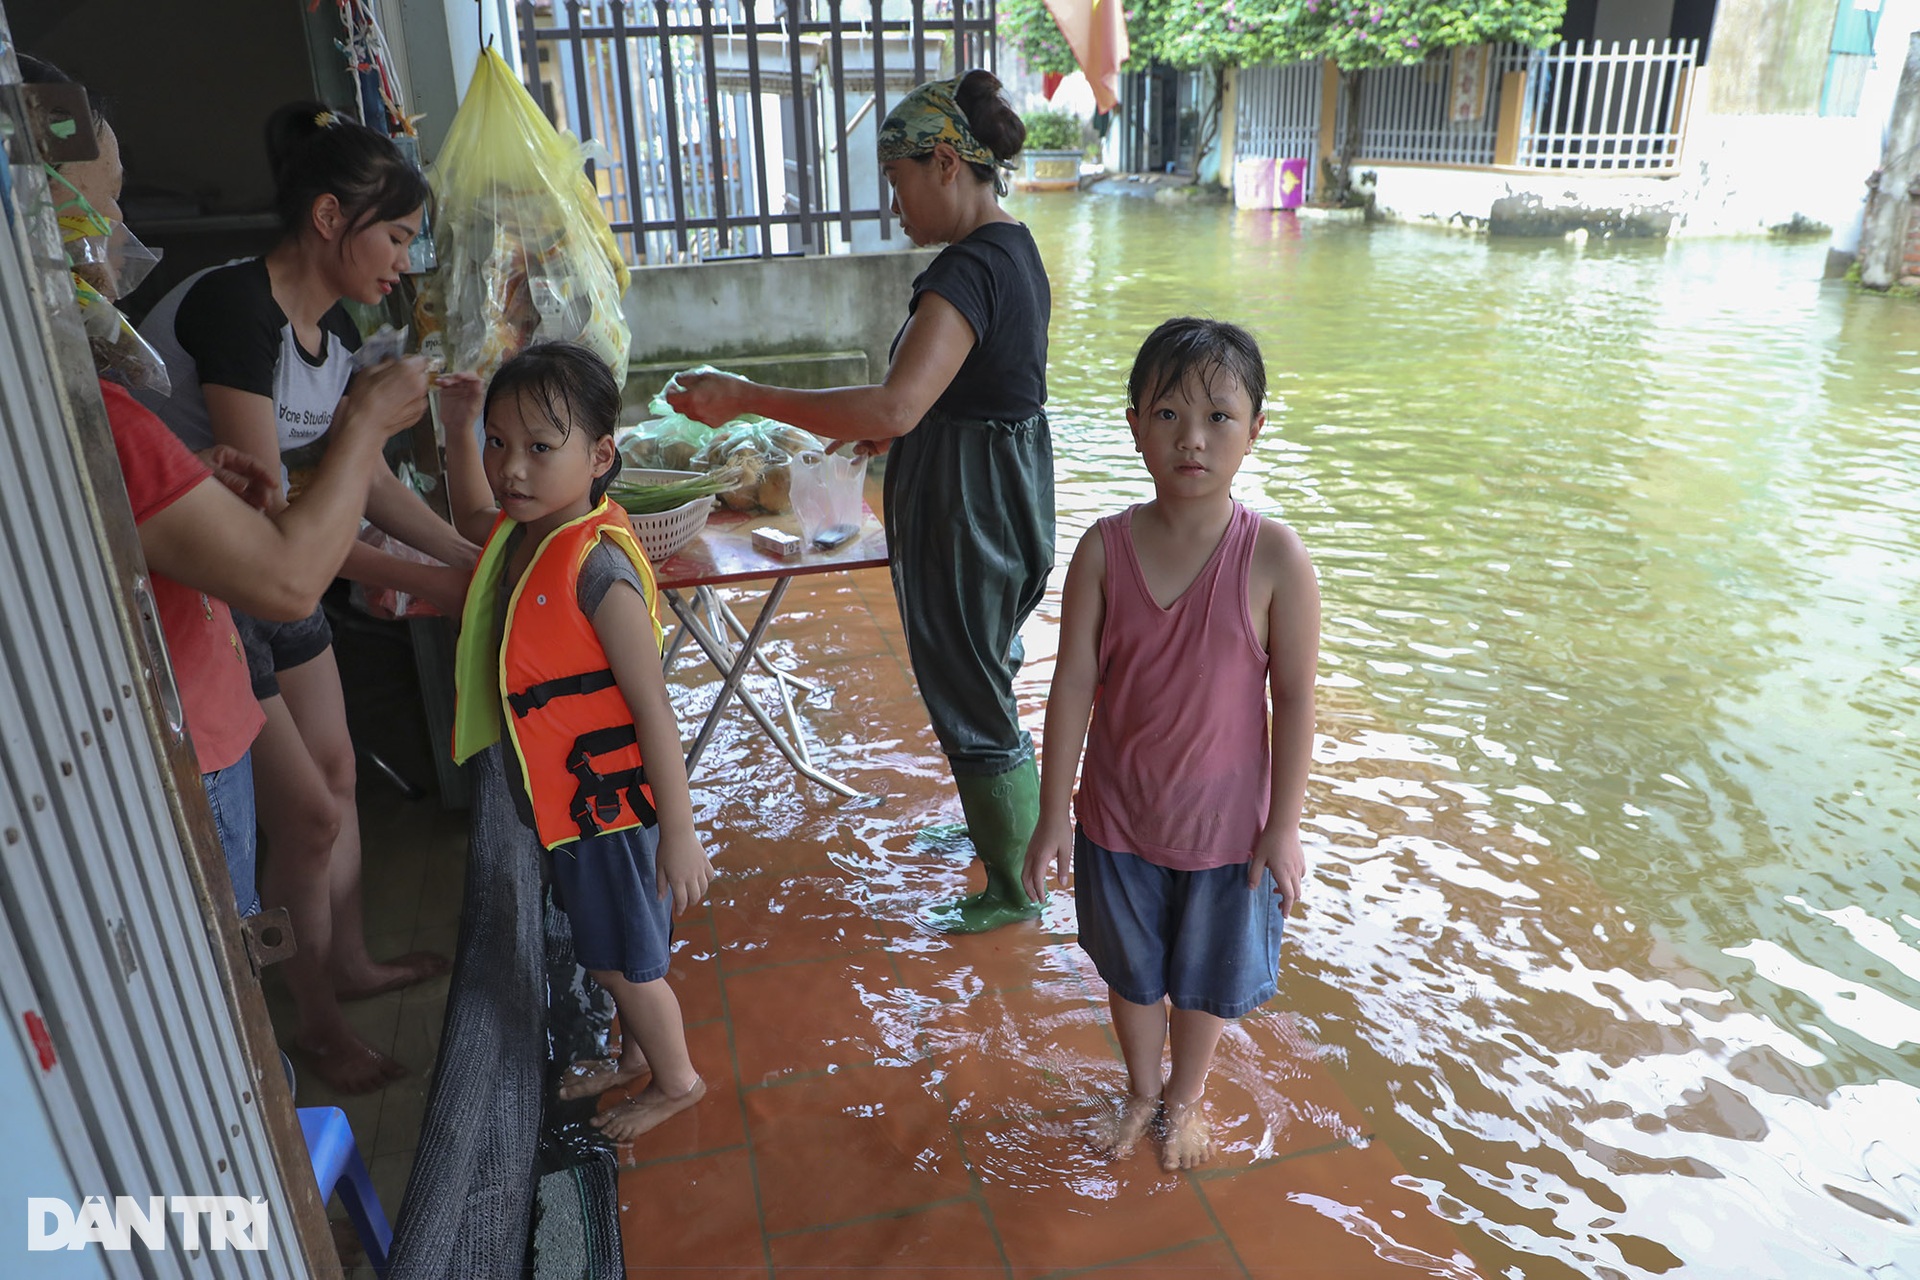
(1615, 930)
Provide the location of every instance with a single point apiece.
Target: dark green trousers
(969, 515)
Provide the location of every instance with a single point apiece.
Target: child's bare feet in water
(591, 1077)
(1189, 1143)
(646, 1109)
(1122, 1128)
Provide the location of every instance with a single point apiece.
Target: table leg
(735, 670)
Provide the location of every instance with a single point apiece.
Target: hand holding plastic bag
(525, 252)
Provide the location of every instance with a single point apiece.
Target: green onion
(643, 499)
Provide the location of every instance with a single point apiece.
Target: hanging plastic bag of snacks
(525, 252)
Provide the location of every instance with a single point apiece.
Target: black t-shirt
(995, 279)
(221, 327)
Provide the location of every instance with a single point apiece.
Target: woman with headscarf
(969, 484)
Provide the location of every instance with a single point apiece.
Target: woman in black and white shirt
(259, 353)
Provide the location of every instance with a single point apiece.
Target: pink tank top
(1177, 768)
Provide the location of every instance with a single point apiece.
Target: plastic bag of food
(525, 252)
(760, 448)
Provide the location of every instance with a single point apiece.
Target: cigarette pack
(776, 543)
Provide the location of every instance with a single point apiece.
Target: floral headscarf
(929, 116)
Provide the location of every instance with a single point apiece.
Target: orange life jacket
(570, 724)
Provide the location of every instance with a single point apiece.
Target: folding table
(724, 555)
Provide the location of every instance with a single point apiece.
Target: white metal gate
(115, 967)
(1277, 115)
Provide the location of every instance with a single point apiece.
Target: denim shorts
(606, 884)
(1201, 939)
(230, 796)
(273, 647)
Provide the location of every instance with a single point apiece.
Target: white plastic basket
(663, 534)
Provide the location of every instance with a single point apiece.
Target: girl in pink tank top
(1179, 620)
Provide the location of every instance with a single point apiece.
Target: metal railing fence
(741, 128)
(1423, 114)
(1277, 114)
(1612, 108)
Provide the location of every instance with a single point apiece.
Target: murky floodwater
(1615, 923)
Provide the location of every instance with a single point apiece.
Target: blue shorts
(1201, 939)
(606, 884)
(273, 647)
(230, 796)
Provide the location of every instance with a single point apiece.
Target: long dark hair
(572, 387)
(991, 117)
(314, 153)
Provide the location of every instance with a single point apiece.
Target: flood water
(1613, 932)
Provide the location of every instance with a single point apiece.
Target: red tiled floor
(1016, 956)
(689, 1213)
(1002, 1056)
(809, 1016)
(709, 1125)
(694, 972)
(852, 1144)
(772, 919)
(945, 1242)
(1208, 1260)
(1333, 1214)
(907, 1104)
(1058, 1205)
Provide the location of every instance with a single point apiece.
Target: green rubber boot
(1002, 811)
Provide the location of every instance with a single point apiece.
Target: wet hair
(1188, 345)
(991, 117)
(315, 152)
(39, 71)
(572, 387)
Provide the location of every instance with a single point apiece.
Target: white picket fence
(1614, 107)
(1620, 106)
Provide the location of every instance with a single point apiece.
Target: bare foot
(648, 1108)
(349, 1065)
(1122, 1128)
(390, 975)
(1189, 1143)
(591, 1077)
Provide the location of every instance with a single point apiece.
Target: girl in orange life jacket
(559, 661)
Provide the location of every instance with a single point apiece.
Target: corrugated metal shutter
(140, 1072)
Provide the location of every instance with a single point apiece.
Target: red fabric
(1050, 84)
(1096, 32)
(209, 665)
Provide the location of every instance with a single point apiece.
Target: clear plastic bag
(525, 252)
(829, 496)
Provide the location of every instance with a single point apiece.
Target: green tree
(1033, 34)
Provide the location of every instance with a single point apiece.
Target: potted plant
(1050, 160)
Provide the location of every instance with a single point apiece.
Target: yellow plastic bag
(525, 253)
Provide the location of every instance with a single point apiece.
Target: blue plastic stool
(337, 1167)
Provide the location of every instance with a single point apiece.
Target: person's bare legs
(314, 697)
(1189, 1142)
(301, 821)
(650, 1025)
(1142, 1032)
